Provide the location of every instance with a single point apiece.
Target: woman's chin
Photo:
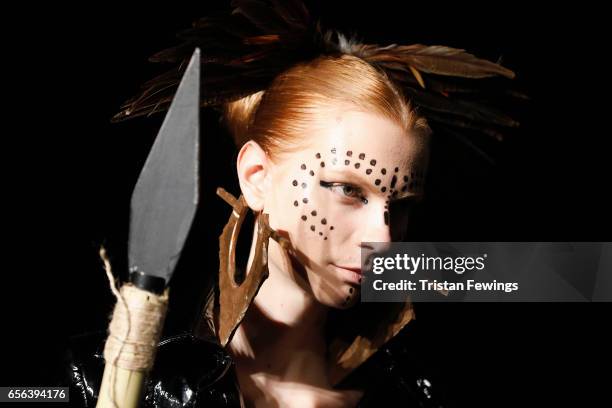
(338, 301)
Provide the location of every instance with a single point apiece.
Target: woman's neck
(283, 331)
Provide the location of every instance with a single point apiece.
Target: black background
(68, 174)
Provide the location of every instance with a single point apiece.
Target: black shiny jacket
(191, 372)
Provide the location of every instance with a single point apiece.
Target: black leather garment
(191, 372)
(188, 372)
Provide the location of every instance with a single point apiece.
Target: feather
(261, 15)
(456, 122)
(417, 76)
(448, 130)
(470, 110)
(439, 60)
(245, 49)
(293, 12)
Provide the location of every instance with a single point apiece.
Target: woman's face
(352, 183)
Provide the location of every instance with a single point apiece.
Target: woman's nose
(377, 228)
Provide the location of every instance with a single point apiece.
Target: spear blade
(166, 195)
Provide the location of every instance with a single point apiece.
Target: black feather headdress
(245, 49)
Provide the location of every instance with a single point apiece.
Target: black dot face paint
(393, 181)
(304, 185)
(391, 187)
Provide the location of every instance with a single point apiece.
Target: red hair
(278, 117)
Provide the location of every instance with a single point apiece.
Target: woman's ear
(253, 168)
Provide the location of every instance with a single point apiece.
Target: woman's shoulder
(188, 371)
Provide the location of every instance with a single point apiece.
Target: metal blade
(166, 195)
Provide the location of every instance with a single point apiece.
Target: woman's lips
(350, 273)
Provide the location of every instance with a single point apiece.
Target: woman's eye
(346, 190)
(349, 190)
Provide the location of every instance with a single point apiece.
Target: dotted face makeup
(319, 228)
(352, 293)
(407, 182)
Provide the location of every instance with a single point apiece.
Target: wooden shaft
(127, 391)
(130, 348)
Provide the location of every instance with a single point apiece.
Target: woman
(327, 159)
(332, 155)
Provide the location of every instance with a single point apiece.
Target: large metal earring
(235, 298)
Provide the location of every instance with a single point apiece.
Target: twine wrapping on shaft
(136, 325)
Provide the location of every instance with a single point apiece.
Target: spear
(163, 207)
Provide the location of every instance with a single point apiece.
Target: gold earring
(235, 298)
